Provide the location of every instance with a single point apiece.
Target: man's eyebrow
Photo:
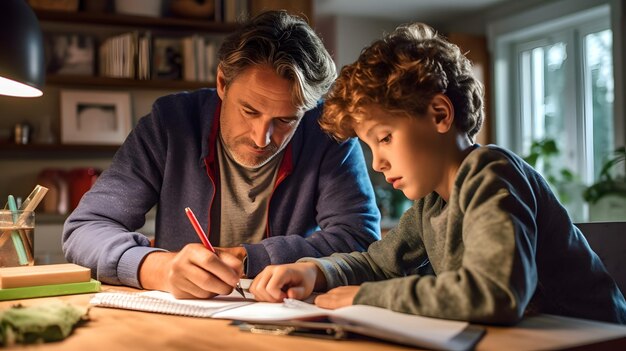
(249, 107)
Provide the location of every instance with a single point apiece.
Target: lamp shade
(22, 71)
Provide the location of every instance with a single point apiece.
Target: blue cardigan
(322, 202)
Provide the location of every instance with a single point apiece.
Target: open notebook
(360, 319)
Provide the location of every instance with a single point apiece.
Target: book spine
(50, 290)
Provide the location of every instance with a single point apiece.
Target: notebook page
(267, 311)
(220, 300)
(408, 325)
(163, 302)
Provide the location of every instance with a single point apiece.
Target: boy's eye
(386, 139)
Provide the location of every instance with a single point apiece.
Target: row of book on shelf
(134, 55)
(139, 56)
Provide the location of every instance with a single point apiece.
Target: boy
(485, 225)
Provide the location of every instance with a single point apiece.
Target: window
(598, 91)
(554, 80)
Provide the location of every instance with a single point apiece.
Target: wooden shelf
(68, 80)
(168, 24)
(45, 151)
(50, 218)
(114, 19)
(80, 21)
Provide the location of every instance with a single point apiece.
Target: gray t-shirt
(242, 200)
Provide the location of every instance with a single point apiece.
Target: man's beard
(248, 159)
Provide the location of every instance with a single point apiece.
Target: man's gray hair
(288, 45)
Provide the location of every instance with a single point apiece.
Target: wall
(345, 36)
(476, 23)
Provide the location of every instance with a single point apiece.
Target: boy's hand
(337, 297)
(194, 272)
(295, 281)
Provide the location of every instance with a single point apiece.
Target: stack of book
(46, 280)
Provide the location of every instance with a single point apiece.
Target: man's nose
(262, 133)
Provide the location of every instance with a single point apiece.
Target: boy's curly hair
(402, 73)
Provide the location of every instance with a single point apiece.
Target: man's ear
(442, 111)
(220, 83)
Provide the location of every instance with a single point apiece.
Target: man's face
(258, 117)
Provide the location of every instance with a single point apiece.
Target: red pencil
(198, 228)
(205, 240)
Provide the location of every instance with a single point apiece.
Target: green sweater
(502, 241)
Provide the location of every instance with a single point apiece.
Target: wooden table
(116, 329)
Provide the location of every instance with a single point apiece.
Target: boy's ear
(220, 83)
(442, 111)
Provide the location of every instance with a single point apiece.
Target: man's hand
(238, 252)
(337, 297)
(194, 272)
(296, 281)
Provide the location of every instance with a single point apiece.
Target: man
(251, 161)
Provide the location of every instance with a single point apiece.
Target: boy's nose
(379, 164)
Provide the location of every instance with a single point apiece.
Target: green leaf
(549, 147)
(567, 175)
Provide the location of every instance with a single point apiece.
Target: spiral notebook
(162, 302)
(364, 320)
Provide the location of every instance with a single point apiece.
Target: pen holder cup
(17, 237)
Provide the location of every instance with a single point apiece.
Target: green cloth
(51, 321)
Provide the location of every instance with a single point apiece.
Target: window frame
(586, 105)
(572, 19)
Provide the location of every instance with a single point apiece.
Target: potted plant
(565, 184)
(607, 196)
(546, 151)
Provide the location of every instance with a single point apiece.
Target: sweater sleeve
(394, 256)
(497, 274)
(101, 232)
(347, 215)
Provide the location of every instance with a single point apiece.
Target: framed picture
(69, 54)
(95, 117)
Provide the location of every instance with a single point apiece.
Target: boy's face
(405, 149)
(258, 117)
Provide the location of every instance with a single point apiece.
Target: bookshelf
(23, 163)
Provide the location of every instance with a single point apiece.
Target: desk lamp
(22, 70)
